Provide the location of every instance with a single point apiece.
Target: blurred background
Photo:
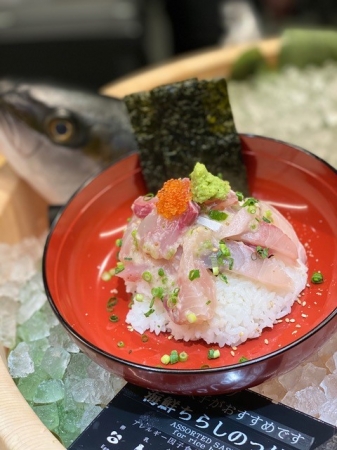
(92, 42)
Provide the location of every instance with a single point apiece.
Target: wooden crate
(23, 213)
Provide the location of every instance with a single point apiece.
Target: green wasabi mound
(205, 186)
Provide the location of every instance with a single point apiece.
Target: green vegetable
(165, 359)
(262, 252)
(217, 215)
(113, 318)
(147, 276)
(213, 354)
(157, 292)
(194, 273)
(243, 359)
(120, 344)
(317, 278)
(223, 278)
(111, 303)
(119, 242)
(205, 186)
(161, 272)
(183, 356)
(149, 312)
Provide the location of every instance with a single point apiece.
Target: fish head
(56, 137)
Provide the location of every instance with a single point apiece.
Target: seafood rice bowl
(202, 261)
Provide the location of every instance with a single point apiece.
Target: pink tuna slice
(160, 237)
(198, 296)
(143, 205)
(265, 270)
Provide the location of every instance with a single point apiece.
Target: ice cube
(20, 363)
(37, 350)
(28, 385)
(48, 415)
(328, 412)
(78, 365)
(49, 391)
(55, 362)
(90, 413)
(329, 385)
(8, 311)
(34, 328)
(308, 400)
(59, 337)
(32, 297)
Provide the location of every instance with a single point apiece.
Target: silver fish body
(56, 137)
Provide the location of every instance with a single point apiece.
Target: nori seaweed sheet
(179, 124)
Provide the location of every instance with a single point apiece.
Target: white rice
(244, 309)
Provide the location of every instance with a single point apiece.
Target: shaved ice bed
(264, 105)
(63, 386)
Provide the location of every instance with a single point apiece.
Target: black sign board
(139, 419)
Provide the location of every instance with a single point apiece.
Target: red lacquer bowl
(82, 245)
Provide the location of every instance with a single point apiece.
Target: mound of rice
(245, 307)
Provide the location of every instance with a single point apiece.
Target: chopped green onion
(250, 201)
(265, 219)
(139, 297)
(262, 252)
(224, 249)
(240, 196)
(161, 272)
(183, 356)
(149, 312)
(119, 268)
(174, 357)
(147, 276)
(119, 242)
(157, 292)
(120, 344)
(194, 274)
(148, 196)
(165, 359)
(213, 354)
(231, 263)
(134, 237)
(214, 214)
(111, 303)
(243, 359)
(223, 278)
(113, 318)
(317, 278)
(215, 270)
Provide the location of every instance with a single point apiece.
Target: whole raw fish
(56, 137)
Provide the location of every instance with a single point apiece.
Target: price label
(139, 419)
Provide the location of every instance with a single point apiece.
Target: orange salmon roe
(173, 197)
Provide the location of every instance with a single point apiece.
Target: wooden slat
(212, 63)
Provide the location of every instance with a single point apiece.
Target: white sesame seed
(266, 341)
(304, 315)
(232, 353)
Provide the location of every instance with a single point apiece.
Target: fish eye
(61, 130)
